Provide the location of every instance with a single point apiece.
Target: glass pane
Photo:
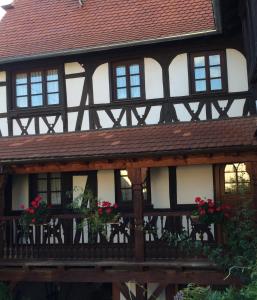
(125, 182)
(121, 93)
(36, 88)
(120, 70)
(52, 87)
(135, 92)
(22, 101)
(42, 175)
(37, 100)
(56, 198)
(200, 73)
(134, 69)
(123, 173)
(230, 188)
(126, 195)
(21, 90)
(56, 184)
(200, 85)
(53, 99)
(42, 185)
(21, 78)
(199, 61)
(121, 82)
(230, 177)
(55, 175)
(229, 168)
(214, 60)
(215, 72)
(134, 80)
(216, 84)
(241, 167)
(52, 75)
(36, 77)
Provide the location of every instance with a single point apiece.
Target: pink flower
(202, 212)
(115, 205)
(106, 204)
(22, 206)
(33, 220)
(197, 199)
(100, 211)
(34, 204)
(108, 210)
(31, 211)
(211, 210)
(38, 198)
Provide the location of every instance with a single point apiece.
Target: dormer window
(128, 81)
(37, 88)
(208, 72)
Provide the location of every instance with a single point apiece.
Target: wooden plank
(85, 275)
(126, 163)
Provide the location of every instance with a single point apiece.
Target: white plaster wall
(24, 122)
(106, 185)
(237, 71)
(57, 128)
(160, 192)
(4, 126)
(74, 88)
(151, 287)
(73, 68)
(101, 88)
(194, 181)
(178, 72)
(153, 79)
(20, 191)
(3, 99)
(85, 121)
(2, 76)
(72, 119)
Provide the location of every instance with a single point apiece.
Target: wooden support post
(3, 179)
(136, 176)
(254, 183)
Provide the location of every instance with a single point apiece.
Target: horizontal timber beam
(128, 163)
(86, 275)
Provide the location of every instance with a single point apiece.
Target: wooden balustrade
(69, 237)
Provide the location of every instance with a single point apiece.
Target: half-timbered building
(148, 104)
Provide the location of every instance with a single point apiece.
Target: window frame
(129, 204)
(28, 71)
(223, 65)
(113, 82)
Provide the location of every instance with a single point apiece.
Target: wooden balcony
(67, 237)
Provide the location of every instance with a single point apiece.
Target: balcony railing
(67, 237)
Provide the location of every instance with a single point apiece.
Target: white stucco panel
(4, 126)
(237, 108)
(237, 71)
(101, 88)
(153, 115)
(106, 185)
(178, 72)
(72, 120)
(2, 76)
(85, 121)
(182, 113)
(73, 68)
(24, 122)
(74, 88)
(194, 181)
(153, 79)
(160, 192)
(3, 99)
(20, 191)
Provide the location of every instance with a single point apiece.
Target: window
(124, 188)
(208, 72)
(48, 185)
(236, 179)
(37, 88)
(128, 80)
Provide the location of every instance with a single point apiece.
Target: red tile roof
(36, 27)
(177, 138)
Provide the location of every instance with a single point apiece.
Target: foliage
(208, 212)
(4, 292)
(35, 214)
(97, 213)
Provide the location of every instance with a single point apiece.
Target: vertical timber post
(135, 176)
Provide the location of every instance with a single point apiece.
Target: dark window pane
(37, 100)
(125, 182)
(21, 90)
(22, 101)
(120, 71)
(134, 69)
(126, 195)
(56, 198)
(216, 84)
(122, 93)
(53, 99)
(215, 72)
(36, 77)
(200, 85)
(36, 88)
(200, 73)
(134, 80)
(121, 82)
(42, 185)
(199, 61)
(21, 78)
(135, 92)
(214, 60)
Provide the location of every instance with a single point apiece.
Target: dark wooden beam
(128, 163)
(161, 276)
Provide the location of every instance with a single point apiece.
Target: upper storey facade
(53, 80)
